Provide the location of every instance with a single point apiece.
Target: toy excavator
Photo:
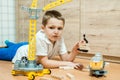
(97, 65)
(28, 66)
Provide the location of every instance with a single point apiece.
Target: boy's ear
(43, 27)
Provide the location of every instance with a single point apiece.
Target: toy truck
(97, 65)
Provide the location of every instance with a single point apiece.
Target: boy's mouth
(55, 36)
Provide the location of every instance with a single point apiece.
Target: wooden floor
(112, 68)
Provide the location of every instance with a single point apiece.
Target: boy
(50, 43)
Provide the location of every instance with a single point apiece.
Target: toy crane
(28, 66)
(97, 65)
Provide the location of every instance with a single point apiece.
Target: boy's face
(54, 29)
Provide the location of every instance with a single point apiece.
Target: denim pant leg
(5, 54)
(9, 52)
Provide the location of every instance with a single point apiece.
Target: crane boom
(54, 4)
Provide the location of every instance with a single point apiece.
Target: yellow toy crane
(28, 66)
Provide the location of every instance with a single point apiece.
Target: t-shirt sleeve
(63, 48)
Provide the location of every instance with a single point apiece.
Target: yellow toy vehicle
(97, 65)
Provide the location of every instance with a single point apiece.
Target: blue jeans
(9, 51)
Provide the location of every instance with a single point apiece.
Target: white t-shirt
(43, 47)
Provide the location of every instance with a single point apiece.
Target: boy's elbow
(43, 61)
(44, 64)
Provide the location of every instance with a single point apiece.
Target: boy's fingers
(81, 42)
(79, 67)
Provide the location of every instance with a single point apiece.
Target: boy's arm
(51, 63)
(68, 57)
(56, 64)
(71, 56)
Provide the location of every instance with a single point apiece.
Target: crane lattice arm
(54, 4)
(32, 32)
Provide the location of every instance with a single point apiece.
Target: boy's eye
(60, 28)
(51, 27)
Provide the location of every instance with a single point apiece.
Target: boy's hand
(77, 66)
(84, 47)
(77, 46)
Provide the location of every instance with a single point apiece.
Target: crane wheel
(13, 72)
(31, 76)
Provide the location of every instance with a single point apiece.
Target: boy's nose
(56, 31)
